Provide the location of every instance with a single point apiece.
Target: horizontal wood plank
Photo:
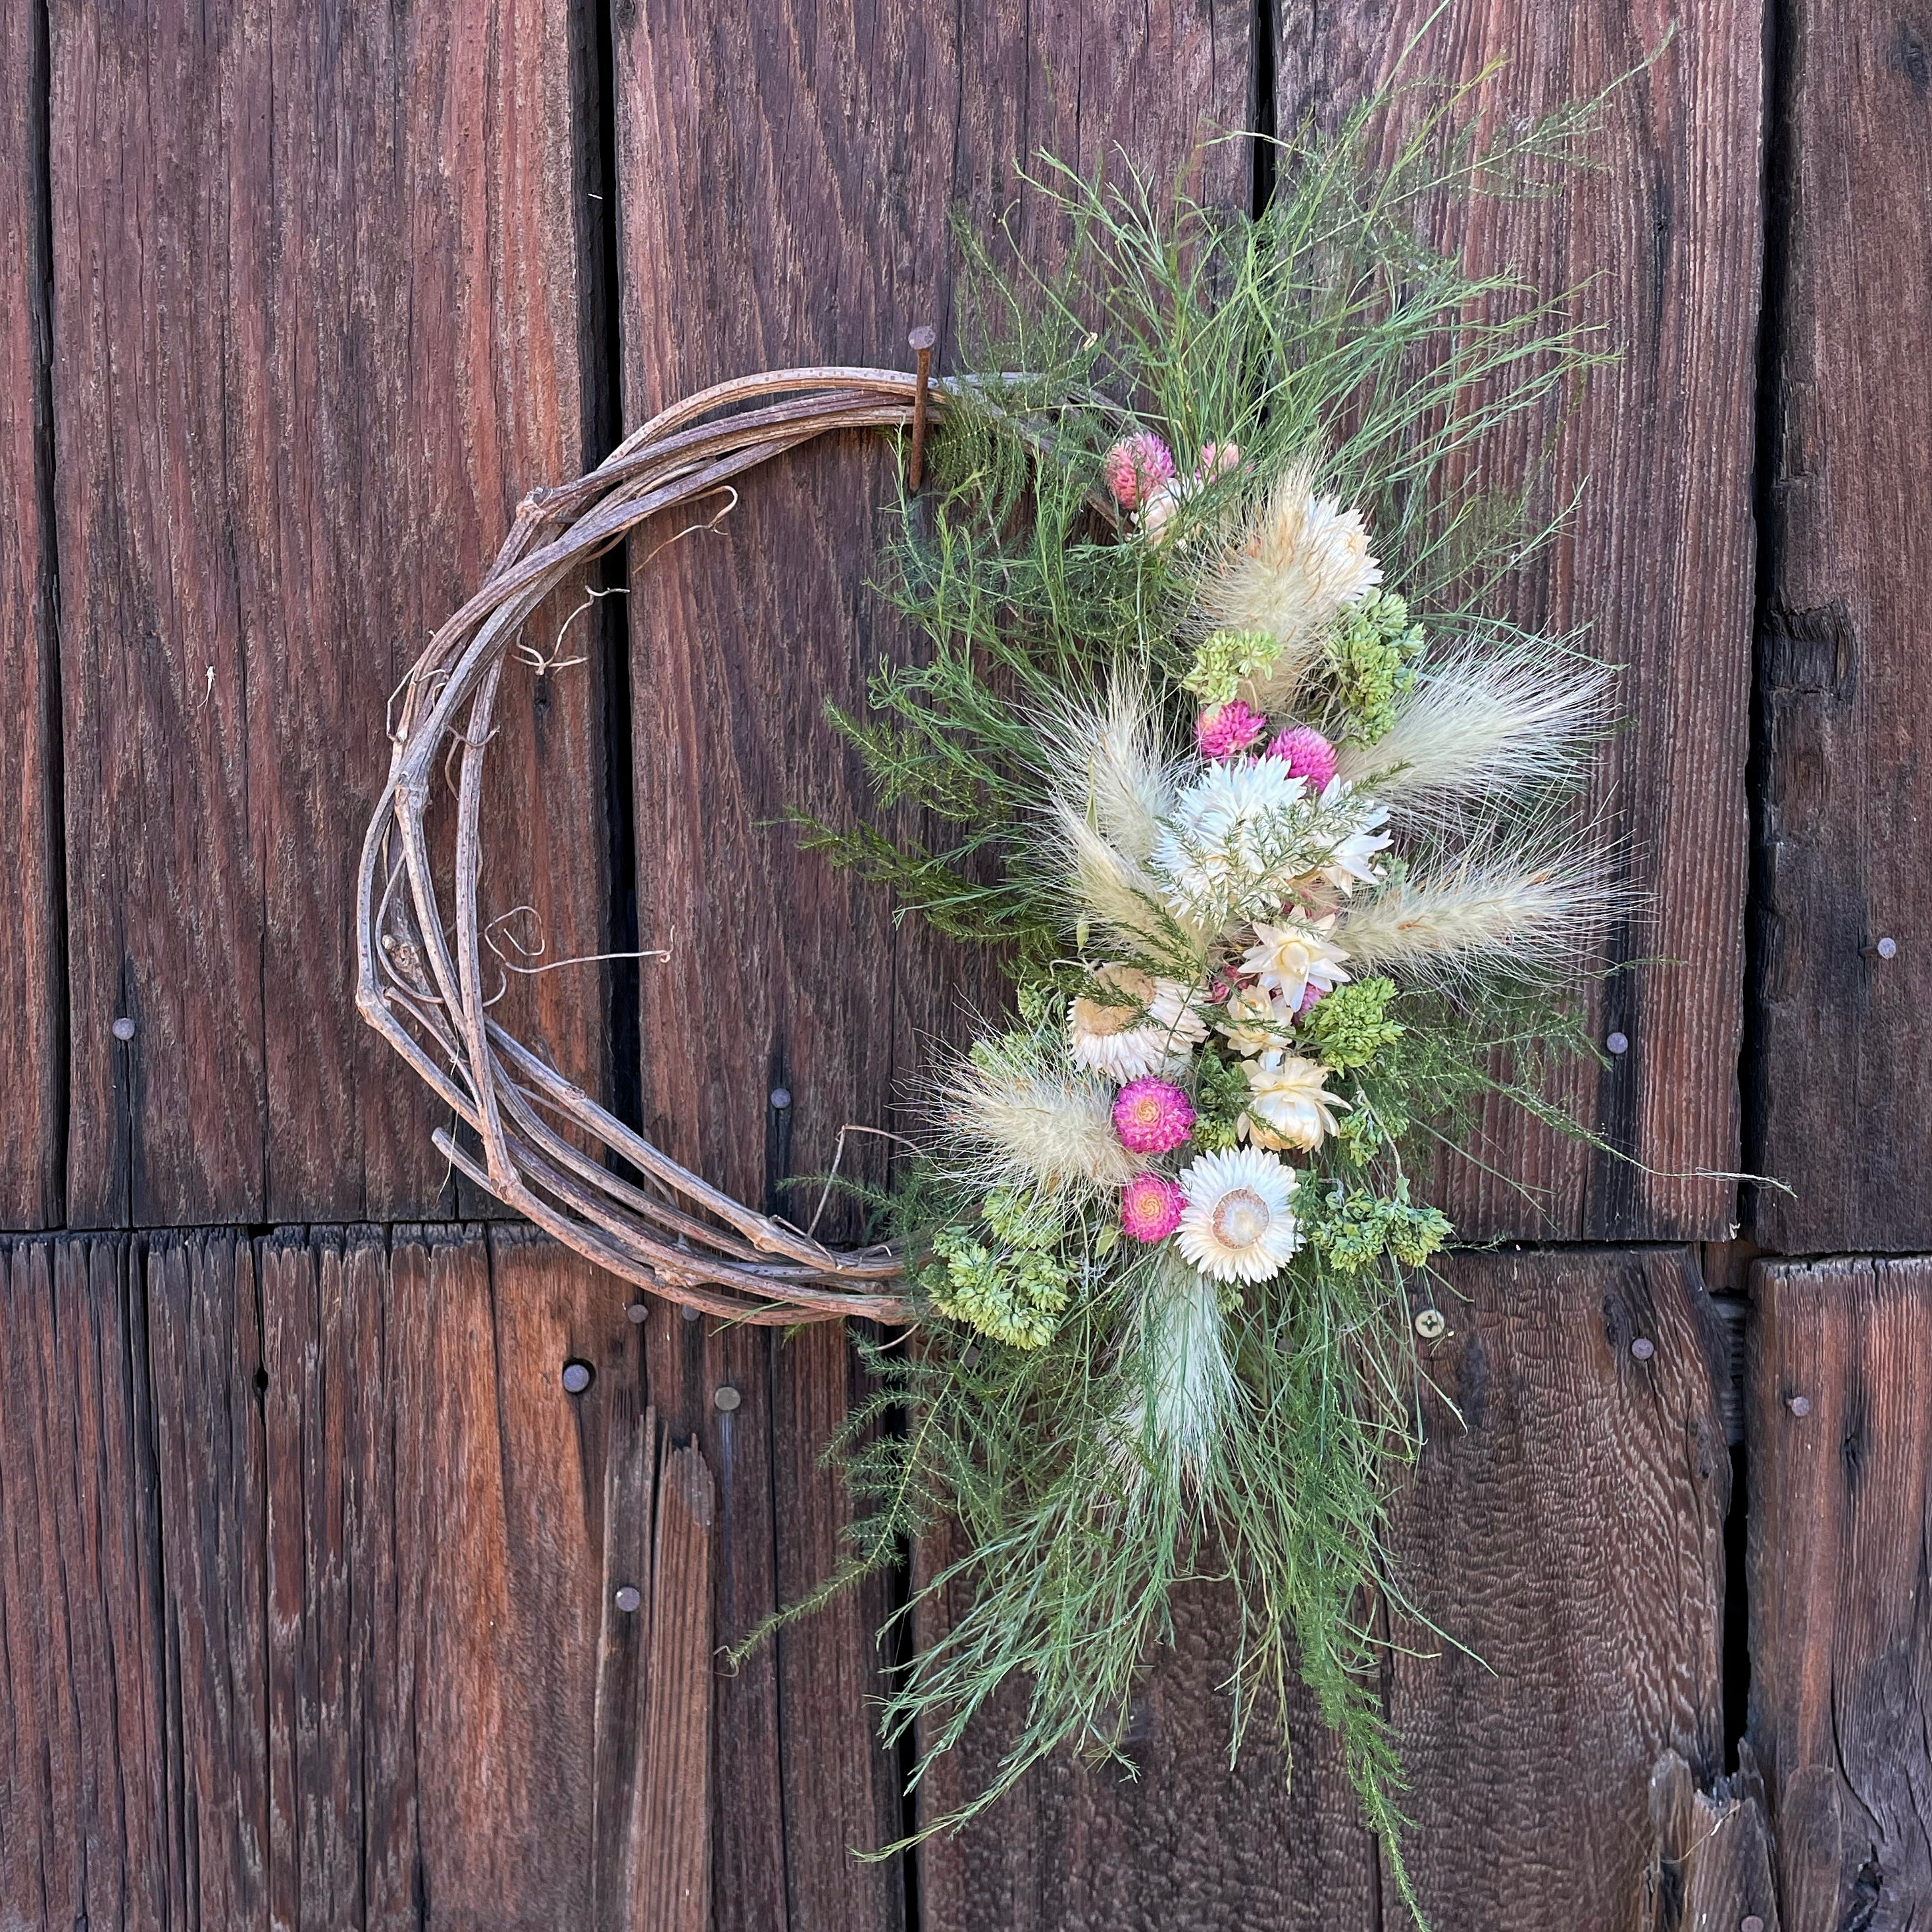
(33, 989)
(317, 315)
(1839, 1407)
(1842, 1060)
(1659, 240)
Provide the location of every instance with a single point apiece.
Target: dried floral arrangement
(1273, 822)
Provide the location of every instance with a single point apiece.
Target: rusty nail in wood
(639, 1311)
(576, 1377)
(689, 1313)
(122, 1028)
(922, 339)
(1432, 1324)
(1617, 1043)
(724, 1398)
(1800, 1406)
(1752, 1923)
(628, 1599)
(1886, 948)
(1643, 1348)
(781, 1098)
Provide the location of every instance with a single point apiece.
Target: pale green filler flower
(1369, 659)
(1222, 660)
(1350, 1027)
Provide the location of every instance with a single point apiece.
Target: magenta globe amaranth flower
(1307, 754)
(1223, 730)
(1153, 1115)
(1150, 1206)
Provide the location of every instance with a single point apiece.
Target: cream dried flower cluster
(1250, 907)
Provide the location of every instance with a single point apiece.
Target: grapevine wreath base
(432, 1003)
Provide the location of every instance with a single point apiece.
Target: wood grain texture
(1843, 1059)
(806, 222)
(1565, 1538)
(318, 328)
(1840, 1625)
(1660, 242)
(675, 1793)
(87, 1833)
(33, 990)
(1711, 1868)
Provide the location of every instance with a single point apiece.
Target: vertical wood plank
(33, 990)
(86, 1818)
(675, 1793)
(1840, 1416)
(318, 328)
(205, 1340)
(1563, 1534)
(1843, 1061)
(808, 224)
(1661, 244)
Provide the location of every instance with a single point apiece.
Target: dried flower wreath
(1284, 860)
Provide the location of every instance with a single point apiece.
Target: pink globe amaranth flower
(1308, 754)
(1310, 994)
(1135, 465)
(1151, 1207)
(1217, 459)
(1152, 1115)
(1223, 730)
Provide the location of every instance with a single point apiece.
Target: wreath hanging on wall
(1273, 821)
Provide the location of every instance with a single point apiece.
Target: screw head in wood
(1618, 1042)
(577, 1377)
(1432, 1324)
(1643, 1348)
(628, 1599)
(1800, 1406)
(639, 1312)
(781, 1098)
(724, 1398)
(123, 1028)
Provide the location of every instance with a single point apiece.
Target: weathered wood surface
(809, 224)
(1710, 1868)
(1840, 1407)
(1843, 1060)
(307, 1583)
(1660, 242)
(318, 324)
(1563, 1534)
(33, 990)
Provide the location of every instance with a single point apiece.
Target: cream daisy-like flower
(1251, 1022)
(1238, 1224)
(1351, 862)
(1288, 1106)
(1154, 1029)
(1287, 959)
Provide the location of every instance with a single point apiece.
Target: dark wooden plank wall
(324, 1600)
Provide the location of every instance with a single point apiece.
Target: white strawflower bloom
(1288, 958)
(1288, 1105)
(1238, 1225)
(1253, 1022)
(1154, 1029)
(1232, 832)
(1302, 558)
